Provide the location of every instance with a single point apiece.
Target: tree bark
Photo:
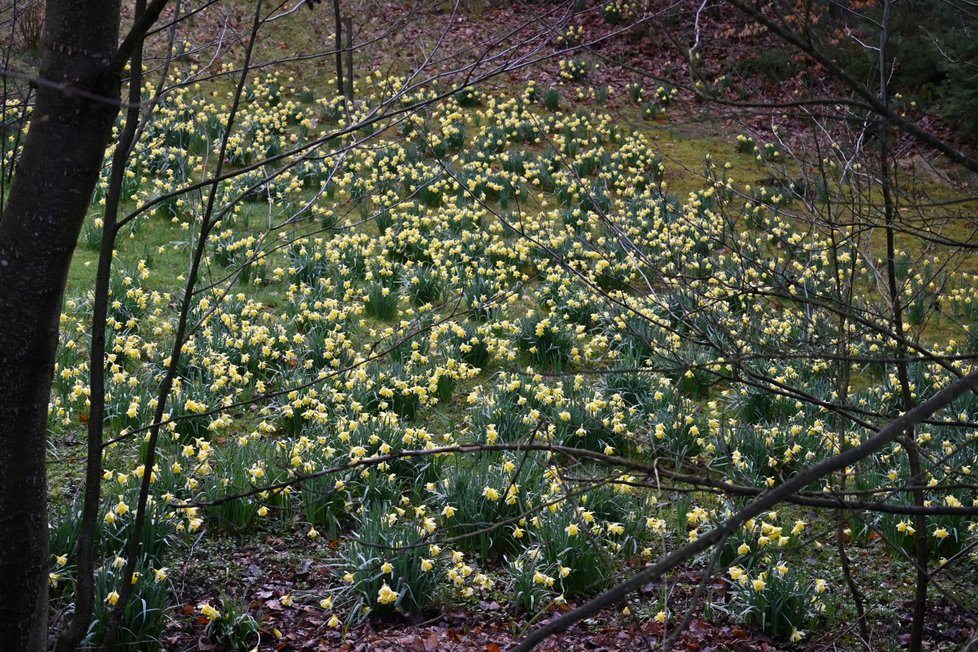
(77, 100)
(338, 19)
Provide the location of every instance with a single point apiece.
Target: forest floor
(277, 562)
(269, 566)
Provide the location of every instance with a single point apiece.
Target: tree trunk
(77, 100)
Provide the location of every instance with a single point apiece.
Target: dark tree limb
(46, 206)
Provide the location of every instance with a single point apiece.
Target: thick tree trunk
(77, 100)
